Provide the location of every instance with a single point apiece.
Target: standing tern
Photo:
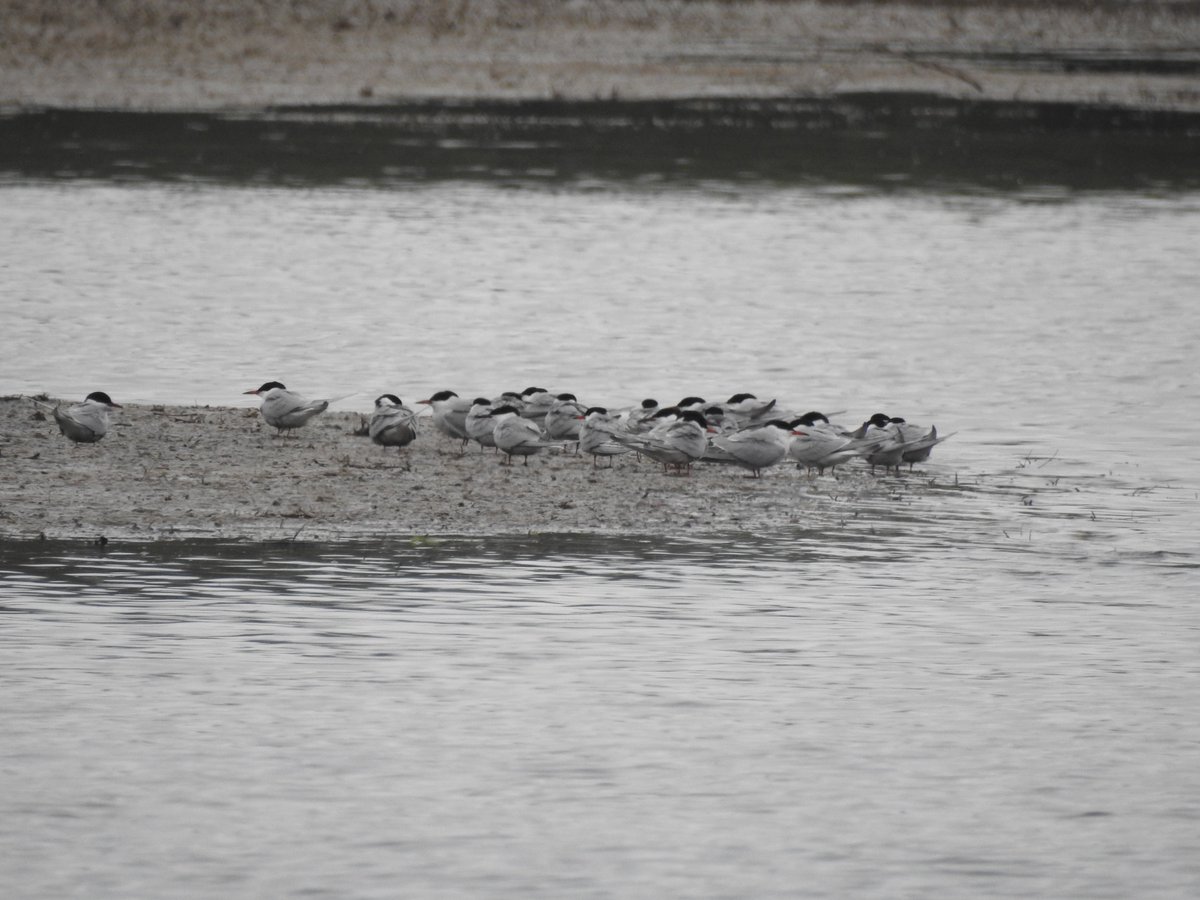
(754, 448)
(597, 435)
(820, 445)
(563, 419)
(516, 436)
(285, 410)
(480, 424)
(899, 441)
(449, 415)
(677, 444)
(918, 443)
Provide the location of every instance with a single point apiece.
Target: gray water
(982, 688)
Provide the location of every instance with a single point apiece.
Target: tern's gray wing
(288, 410)
(752, 449)
(393, 426)
(82, 424)
(919, 449)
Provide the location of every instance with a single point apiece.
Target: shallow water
(981, 683)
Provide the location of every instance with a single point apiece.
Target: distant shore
(174, 55)
(179, 472)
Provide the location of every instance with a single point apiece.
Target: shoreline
(227, 56)
(172, 473)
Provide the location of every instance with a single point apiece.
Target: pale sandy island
(226, 54)
(172, 472)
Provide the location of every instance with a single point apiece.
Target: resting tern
(754, 448)
(889, 446)
(510, 398)
(597, 435)
(449, 415)
(639, 417)
(86, 422)
(480, 423)
(516, 436)
(563, 419)
(678, 443)
(746, 409)
(818, 446)
(536, 402)
(392, 423)
(285, 410)
(715, 415)
(918, 442)
(898, 439)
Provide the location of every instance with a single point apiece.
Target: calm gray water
(805, 715)
(987, 688)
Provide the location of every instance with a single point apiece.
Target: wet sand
(139, 54)
(177, 472)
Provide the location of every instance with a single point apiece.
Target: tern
(820, 445)
(720, 422)
(746, 409)
(918, 443)
(639, 418)
(899, 441)
(563, 419)
(536, 402)
(392, 423)
(677, 443)
(597, 435)
(889, 445)
(86, 422)
(480, 423)
(516, 436)
(285, 410)
(449, 415)
(754, 449)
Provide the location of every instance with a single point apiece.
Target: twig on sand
(944, 69)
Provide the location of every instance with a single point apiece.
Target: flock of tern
(742, 431)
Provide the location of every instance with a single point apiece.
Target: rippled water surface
(982, 683)
(598, 717)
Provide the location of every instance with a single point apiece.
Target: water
(979, 684)
(613, 717)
